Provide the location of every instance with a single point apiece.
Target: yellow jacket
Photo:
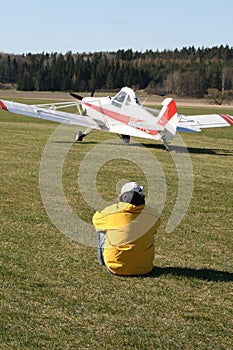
(129, 239)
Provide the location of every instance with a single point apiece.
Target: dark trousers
(101, 240)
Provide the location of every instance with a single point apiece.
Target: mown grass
(54, 294)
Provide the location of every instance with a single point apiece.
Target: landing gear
(79, 135)
(165, 144)
(125, 139)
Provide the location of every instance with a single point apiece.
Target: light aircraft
(122, 114)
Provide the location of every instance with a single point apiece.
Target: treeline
(185, 72)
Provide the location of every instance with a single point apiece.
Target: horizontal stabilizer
(205, 121)
(188, 129)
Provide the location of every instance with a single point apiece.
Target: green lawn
(55, 295)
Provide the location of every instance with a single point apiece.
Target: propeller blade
(76, 96)
(92, 93)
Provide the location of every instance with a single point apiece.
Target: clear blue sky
(101, 25)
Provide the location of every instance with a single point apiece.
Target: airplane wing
(195, 123)
(40, 111)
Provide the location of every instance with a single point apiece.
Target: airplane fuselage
(120, 118)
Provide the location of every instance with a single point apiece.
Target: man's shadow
(202, 274)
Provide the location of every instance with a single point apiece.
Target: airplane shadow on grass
(178, 149)
(217, 152)
(77, 143)
(194, 150)
(202, 274)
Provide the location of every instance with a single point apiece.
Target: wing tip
(227, 118)
(3, 106)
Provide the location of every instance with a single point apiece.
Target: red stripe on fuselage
(227, 118)
(125, 119)
(2, 106)
(114, 115)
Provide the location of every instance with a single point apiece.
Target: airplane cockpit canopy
(125, 97)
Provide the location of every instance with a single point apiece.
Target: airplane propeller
(76, 96)
(79, 97)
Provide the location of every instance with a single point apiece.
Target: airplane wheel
(79, 136)
(125, 139)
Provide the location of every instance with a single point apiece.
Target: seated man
(126, 233)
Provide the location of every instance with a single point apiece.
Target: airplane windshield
(123, 97)
(119, 99)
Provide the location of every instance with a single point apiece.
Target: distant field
(55, 295)
(148, 99)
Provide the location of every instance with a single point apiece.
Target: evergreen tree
(186, 72)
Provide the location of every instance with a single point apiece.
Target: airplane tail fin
(168, 118)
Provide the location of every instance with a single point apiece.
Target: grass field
(55, 295)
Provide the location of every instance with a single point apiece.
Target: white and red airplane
(122, 114)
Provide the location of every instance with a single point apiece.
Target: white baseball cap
(132, 186)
